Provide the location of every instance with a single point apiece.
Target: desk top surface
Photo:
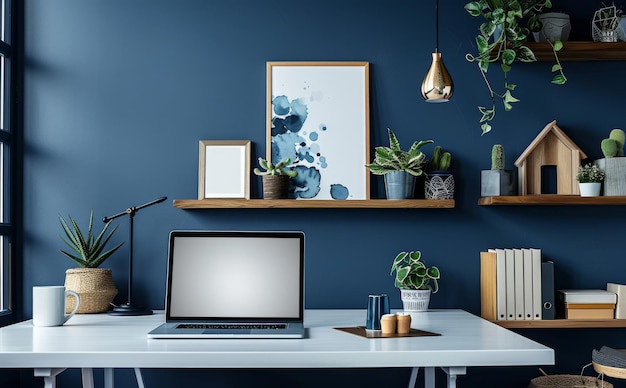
(100, 340)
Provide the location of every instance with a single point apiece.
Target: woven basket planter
(95, 287)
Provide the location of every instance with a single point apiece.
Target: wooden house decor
(552, 147)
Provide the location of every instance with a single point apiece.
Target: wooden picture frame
(224, 169)
(318, 117)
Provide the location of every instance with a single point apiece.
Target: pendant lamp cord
(437, 26)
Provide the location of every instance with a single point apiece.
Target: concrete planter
(615, 170)
(498, 182)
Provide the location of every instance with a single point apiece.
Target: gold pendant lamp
(437, 85)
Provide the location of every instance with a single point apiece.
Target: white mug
(49, 305)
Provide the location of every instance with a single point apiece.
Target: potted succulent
(415, 280)
(515, 19)
(590, 179)
(605, 25)
(399, 168)
(94, 285)
(275, 178)
(498, 181)
(439, 183)
(613, 164)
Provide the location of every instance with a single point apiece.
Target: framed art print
(224, 170)
(318, 117)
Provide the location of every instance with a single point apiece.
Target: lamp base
(129, 310)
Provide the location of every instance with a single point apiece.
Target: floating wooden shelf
(310, 204)
(581, 51)
(564, 324)
(550, 199)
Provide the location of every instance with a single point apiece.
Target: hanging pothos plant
(516, 20)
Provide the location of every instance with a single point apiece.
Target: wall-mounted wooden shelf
(564, 324)
(581, 51)
(310, 204)
(550, 199)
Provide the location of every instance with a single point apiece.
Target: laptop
(234, 284)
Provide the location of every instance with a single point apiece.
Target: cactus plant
(275, 169)
(614, 144)
(497, 157)
(440, 161)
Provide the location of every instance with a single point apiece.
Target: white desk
(103, 341)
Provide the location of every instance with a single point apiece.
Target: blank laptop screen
(235, 275)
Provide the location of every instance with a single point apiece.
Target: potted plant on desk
(415, 280)
(399, 168)
(94, 285)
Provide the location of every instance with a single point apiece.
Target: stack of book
(516, 285)
(586, 304)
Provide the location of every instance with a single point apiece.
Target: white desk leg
(108, 378)
(413, 378)
(49, 376)
(87, 376)
(429, 377)
(452, 372)
(139, 378)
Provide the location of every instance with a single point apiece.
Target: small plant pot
(415, 300)
(590, 189)
(439, 185)
(399, 185)
(495, 183)
(275, 186)
(95, 287)
(556, 26)
(615, 175)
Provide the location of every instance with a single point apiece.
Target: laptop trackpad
(227, 332)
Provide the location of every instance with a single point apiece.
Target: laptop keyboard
(275, 326)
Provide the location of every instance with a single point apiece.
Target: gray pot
(399, 185)
(498, 182)
(615, 179)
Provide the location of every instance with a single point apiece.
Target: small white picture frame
(224, 169)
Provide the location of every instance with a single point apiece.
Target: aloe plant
(393, 158)
(88, 248)
(279, 168)
(413, 274)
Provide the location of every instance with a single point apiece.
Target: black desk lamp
(129, 308)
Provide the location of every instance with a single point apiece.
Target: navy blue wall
(118, 94)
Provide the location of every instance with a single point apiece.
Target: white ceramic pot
(590, 189)
(415, 300)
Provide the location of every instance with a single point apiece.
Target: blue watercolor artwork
(313, 126)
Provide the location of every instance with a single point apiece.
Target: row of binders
(515, 284)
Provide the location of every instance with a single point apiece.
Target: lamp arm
(133, 210)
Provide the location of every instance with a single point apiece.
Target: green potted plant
(605, 25)
(398, 167)
(515, 20)
(439, 183)
(498, 181)
(613, 164)
(415, 280)
(275, 178)
(590, 179)
(94, 285)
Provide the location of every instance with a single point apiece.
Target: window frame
(13, 51)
